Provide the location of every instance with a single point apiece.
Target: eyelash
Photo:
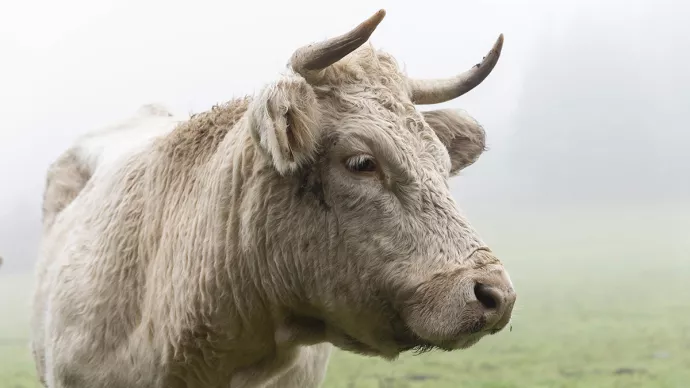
(361, 164)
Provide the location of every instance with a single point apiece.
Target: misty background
(584, 193)
(587, 106)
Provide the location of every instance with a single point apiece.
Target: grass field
(603, 301)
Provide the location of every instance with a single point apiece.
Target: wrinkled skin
(232, 248)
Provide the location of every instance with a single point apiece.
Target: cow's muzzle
(457, 307)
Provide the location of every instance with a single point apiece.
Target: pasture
(603, 301)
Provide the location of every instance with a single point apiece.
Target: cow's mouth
(398, 337)
(410, 341)
(403, 344)
(418, 346)
(406, 340)
(403, 339)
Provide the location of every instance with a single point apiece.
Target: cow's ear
(284, 121)
(462, 135)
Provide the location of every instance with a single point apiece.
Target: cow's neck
(220, 313)
(251, 306)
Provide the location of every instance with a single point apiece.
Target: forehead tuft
(368, 85)
(366, 67)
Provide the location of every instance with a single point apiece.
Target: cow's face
(394, 265)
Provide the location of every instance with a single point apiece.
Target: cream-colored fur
(232, 248)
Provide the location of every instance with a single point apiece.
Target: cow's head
(379, 257)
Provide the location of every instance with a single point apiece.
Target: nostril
(486, 296)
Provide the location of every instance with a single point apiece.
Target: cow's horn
(435, 91)
(323, 54)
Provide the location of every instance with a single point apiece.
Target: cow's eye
(361, 163)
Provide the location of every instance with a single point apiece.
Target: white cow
(235, 247)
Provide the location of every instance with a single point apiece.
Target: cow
(237, 247)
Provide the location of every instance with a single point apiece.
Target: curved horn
(435, 91)
(323, 54)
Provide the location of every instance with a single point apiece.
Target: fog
(586, 105)
(584, 192)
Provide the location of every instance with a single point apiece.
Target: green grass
(603, 301)
(16, 365)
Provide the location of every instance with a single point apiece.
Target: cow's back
(100, 149)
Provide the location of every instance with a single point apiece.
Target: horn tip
(368, 26)
(499, 43)
(376, 18)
